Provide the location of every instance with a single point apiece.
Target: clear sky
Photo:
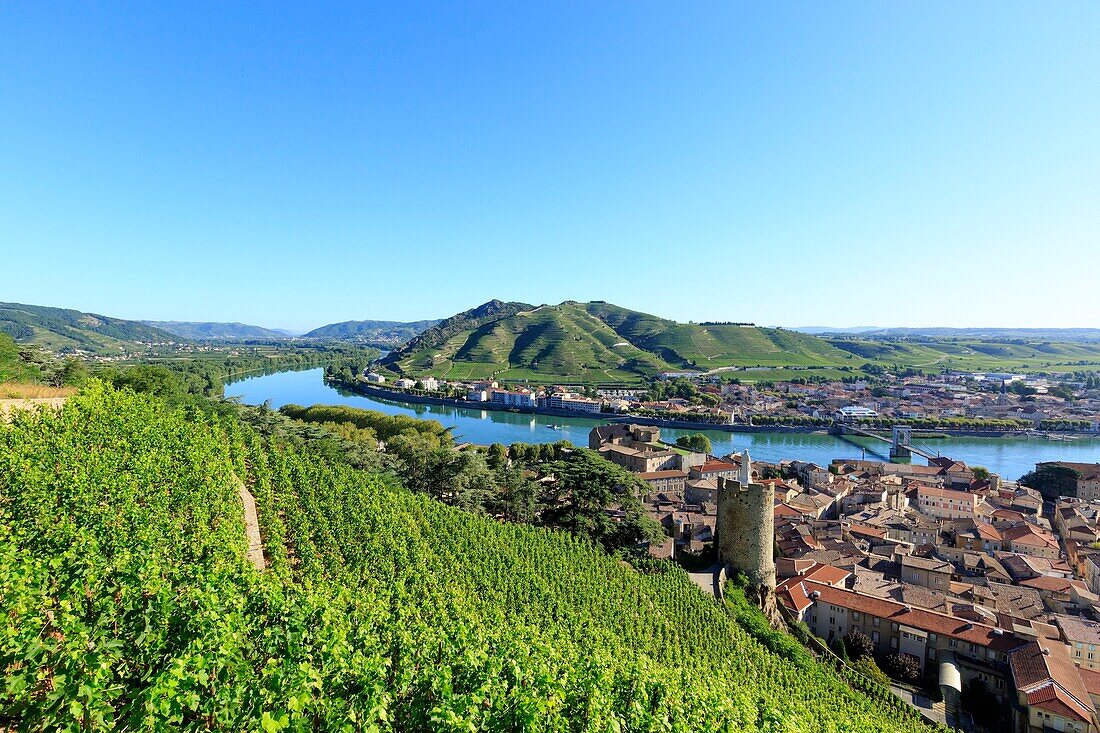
(795, 164)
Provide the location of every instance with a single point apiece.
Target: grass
(24, 391)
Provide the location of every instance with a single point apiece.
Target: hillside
(61, 329)
(204, 331)
(1064, 335)
(374, 332)
(596, 342)
(128, 602)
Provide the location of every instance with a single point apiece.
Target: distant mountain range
(1026, 334)
(594, 342)
(62, 329)
(203, 331)
(374, 332)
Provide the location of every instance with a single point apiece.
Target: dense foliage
(126, 601)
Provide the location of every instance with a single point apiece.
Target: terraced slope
(599, 342)
(127, 602)
(61, 328)
(976, 355)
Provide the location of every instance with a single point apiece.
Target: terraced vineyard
(127, 602)
(600, 342)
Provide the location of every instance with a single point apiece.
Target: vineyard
(127, 602)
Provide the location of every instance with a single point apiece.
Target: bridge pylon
(903, 439)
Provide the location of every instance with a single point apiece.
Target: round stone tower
(746, 534)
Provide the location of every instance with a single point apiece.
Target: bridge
(901, 445)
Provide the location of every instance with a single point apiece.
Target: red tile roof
(716, 466)
(919, 618)
(1042, 670)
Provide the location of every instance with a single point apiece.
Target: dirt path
(251, 526)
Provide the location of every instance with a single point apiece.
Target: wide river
(1010, 457)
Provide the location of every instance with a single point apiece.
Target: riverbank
(396, 395)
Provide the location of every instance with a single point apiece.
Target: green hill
(204, 331)
(61, 329)
(596, 342)
(374, 332)
(127, 602)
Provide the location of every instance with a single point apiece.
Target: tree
(587, 486)
(1052, 480)
(867, 666)
(858, 644)
(904, 667)
(696, 442)
(981, 473)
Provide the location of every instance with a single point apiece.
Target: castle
(746, 534)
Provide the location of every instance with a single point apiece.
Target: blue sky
(795, 164)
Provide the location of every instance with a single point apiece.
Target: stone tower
(746, 535)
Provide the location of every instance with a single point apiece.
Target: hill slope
(376, 332)
(206, 331)
(62, 328)
(126, 601)
(596, 342)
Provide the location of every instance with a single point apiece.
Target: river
(1010, 457)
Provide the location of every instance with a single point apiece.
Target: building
(1082, 637)
(570, 401)
(1029, 539)
(945, 503)
(1050, 695)
(640, 461)
(855, 412)
(405, 383)
(976, 651)
(375, 378)
(429, 383)
(664, 482)
(519, 398)
(929, 572)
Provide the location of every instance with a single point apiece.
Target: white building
(856, 412)
(375, 378)
(520, 398)
(405, 383)
(569, 401)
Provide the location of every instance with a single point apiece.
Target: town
(951, 578)
(993, 402)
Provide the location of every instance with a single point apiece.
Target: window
(931, 652)
(932, 637)
(973, 648)
(832, 620)
(855, 615)
(953, 643)
(874, 622)
(991, 654)
(874, 636)
(893, 642)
